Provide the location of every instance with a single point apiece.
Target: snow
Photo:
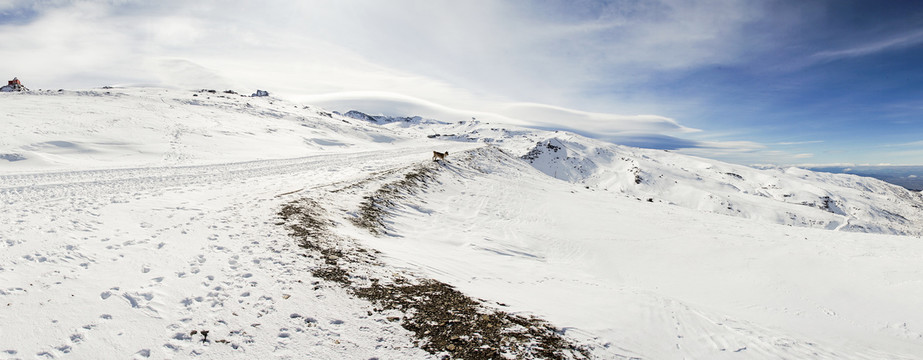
(788, 196)
(662, 281)
(133, 217)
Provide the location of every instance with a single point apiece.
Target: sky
(834, 82)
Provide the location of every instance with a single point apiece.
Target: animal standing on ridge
(439, 156)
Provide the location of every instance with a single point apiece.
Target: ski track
(205, 255)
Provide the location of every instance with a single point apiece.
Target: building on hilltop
(13, 85)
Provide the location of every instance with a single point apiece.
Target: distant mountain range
(910, 177)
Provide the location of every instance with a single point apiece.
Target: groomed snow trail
(128, 262)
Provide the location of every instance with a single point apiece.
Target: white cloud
(746, 152)
(909, 144)
(523, 114)
(799, 142)
(635, 130)
(601, 123)
(394, 104)
(890, 43)
(912, 156)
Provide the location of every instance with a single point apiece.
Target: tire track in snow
(35, 187)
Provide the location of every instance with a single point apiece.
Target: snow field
(659, 281)
(126, 261)
(133, 217)
(145, 268)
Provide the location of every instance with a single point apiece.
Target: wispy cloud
(747, 152)
(890, 43)
(915, 154)
(799, 142)
(911, 144)
(648, 131)
(602, 123)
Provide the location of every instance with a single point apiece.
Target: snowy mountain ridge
(787, 196)
(381, 119)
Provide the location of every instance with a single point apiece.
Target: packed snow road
(340, 166)
(116, 263)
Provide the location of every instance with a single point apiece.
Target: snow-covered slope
(656, 280)
(788, 196)
(156, 127)
(133, 217)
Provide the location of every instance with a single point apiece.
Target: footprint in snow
(143, 353)
(77, 338)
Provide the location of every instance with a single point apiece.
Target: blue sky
(753, 82)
